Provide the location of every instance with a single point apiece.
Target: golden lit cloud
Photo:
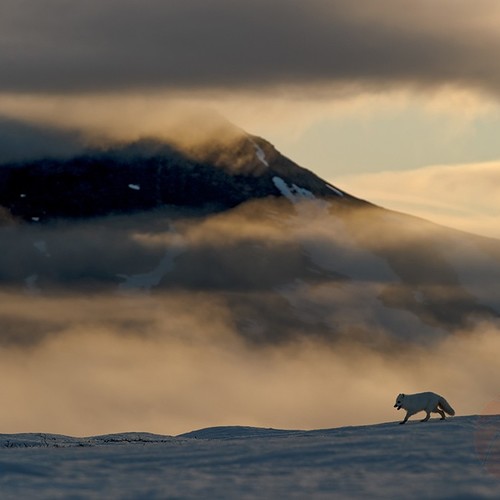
(281, 114)
(270, 316)
(187, 371)
(253, 325)
(463, 196)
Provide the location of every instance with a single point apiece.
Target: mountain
(286, 253)
(451, 459)
(149, 174)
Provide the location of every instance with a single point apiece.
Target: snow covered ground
(455, 459)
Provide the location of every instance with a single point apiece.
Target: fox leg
(407, 416)
(441, 412)
(427, 417)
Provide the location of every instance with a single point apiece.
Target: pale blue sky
(392, 140)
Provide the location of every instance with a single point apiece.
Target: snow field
(432, 460)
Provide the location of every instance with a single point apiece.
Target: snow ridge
(454, 458)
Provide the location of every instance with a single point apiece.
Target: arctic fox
(423, 401)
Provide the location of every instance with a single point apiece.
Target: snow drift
(451, 459)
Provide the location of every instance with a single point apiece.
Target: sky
(395, 101)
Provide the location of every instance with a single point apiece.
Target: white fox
(423, 401)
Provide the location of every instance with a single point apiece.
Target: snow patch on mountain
(151, 279)
(260, 154)
(335, 190)
(293, 193)
(41, 246)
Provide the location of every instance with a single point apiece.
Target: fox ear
(403, 395)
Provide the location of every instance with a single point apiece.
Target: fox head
(399, 401)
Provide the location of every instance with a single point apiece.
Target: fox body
(429, 402)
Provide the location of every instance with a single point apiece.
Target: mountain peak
(222, 167)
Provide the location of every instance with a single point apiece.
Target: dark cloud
(273, 275)
(58, 46)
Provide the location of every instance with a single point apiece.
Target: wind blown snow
(452, 459)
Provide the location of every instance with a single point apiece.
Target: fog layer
(170, 365)
(267, 315)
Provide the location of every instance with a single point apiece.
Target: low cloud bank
(174, 364)
(195, 130)
(173, 358)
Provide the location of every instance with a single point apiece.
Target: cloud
(122, 45)
(252, 326)
(464, 196)
(320, 131)
(21, 141)
(177, 368)
(35, 131)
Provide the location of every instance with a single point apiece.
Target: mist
(193, 129)
(265, 315)
(23, 141)
(269, 315)
(174, 364)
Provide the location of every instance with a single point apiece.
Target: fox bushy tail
(445, 406)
